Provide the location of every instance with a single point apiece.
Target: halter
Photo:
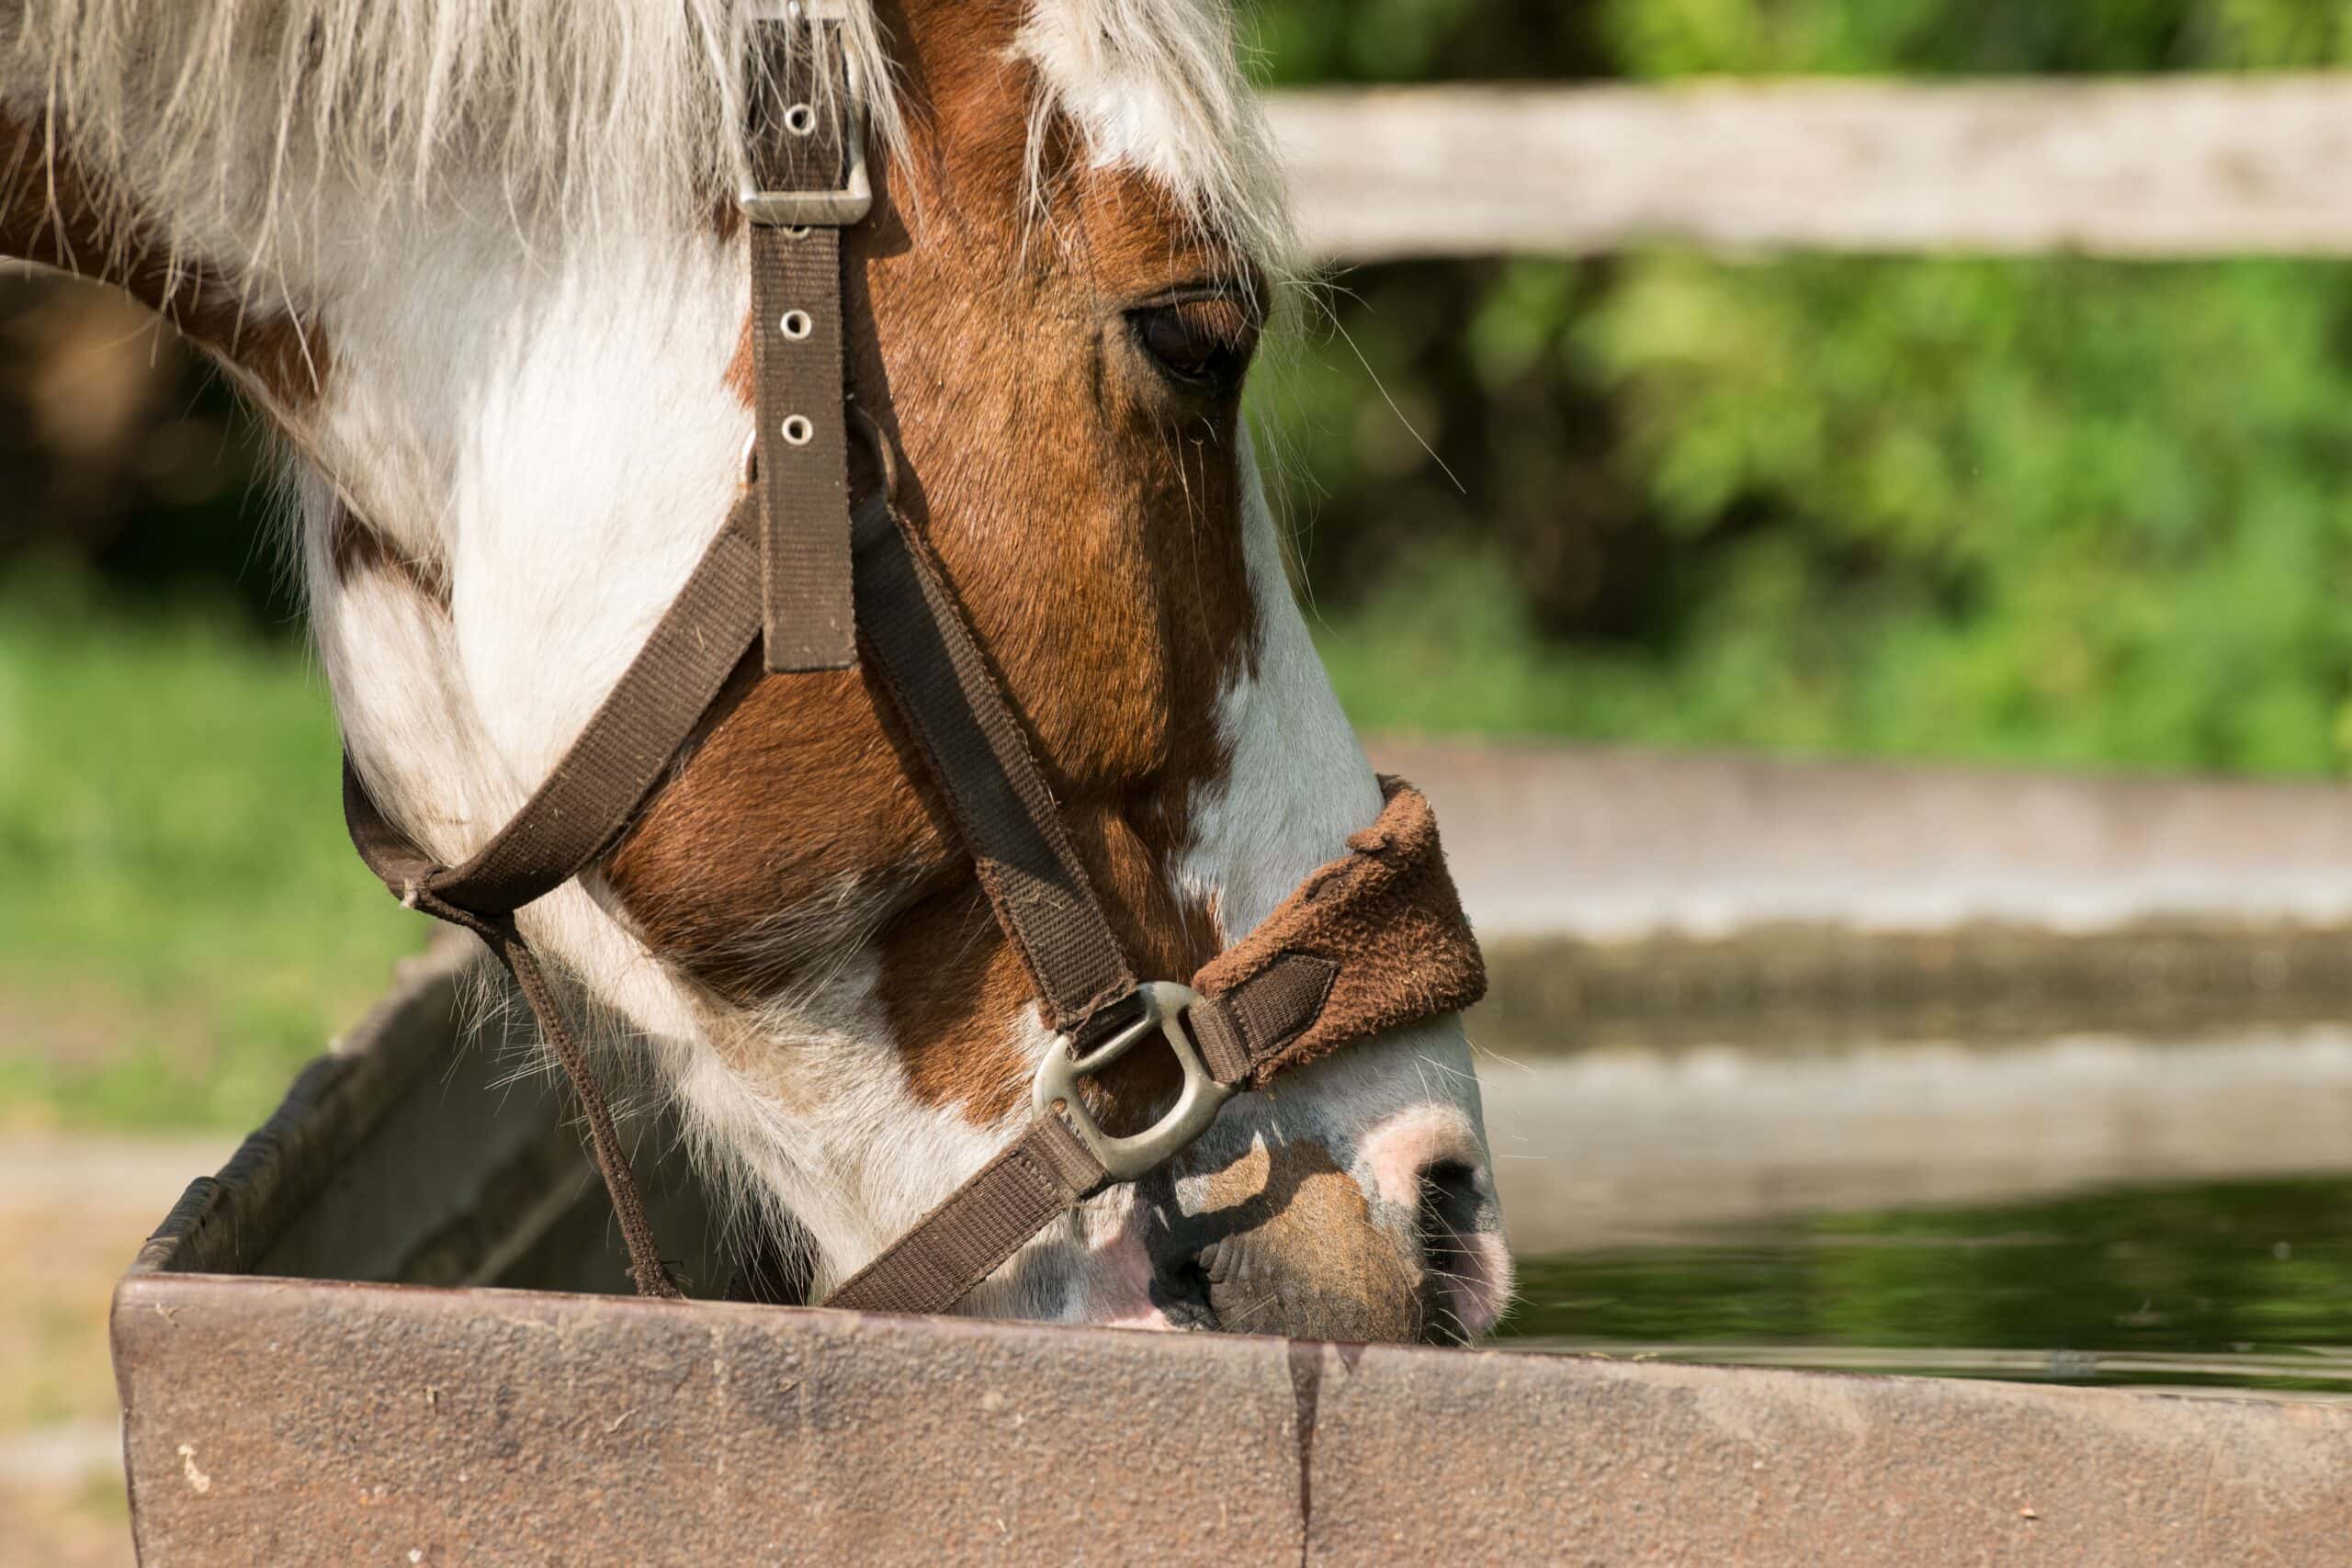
(1368, 942)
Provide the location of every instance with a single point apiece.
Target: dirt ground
(73, 1214)
(85, 1526)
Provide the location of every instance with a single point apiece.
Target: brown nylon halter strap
(627, 743)
(974, 748)
(967, 1237)
(796, 141)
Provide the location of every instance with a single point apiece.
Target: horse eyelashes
(1202, 345)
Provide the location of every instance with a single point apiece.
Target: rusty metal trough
(323, 1360)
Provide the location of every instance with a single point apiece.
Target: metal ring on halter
(1196, 1106)
(886, 456)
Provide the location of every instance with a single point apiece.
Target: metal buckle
(826, 209)
(1196, 1104)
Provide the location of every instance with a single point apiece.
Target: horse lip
(1285, 1240)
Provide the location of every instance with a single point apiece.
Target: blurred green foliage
(1306, 41)
(2042, 510)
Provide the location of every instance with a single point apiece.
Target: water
(2241, 1285)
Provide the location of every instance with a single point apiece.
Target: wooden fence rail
(2187, 166)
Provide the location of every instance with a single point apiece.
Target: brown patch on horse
(1090, 529)
(358, 548)
(53, 213)
(741, 376)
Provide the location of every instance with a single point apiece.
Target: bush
(2045, 510)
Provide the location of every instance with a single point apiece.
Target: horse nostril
(1453, 1222)
(1449, 1206)
(1181, 1288)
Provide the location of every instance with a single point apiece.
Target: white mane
(587, 112)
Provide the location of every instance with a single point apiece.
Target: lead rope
(582, 808)
(778, 574)
(413, 878)
(646, 1268)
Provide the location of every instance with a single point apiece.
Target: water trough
(391, 1331)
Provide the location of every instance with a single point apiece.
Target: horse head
(481, 266)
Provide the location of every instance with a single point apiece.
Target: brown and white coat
(475, 262)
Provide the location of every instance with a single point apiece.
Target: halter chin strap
(1371, 942)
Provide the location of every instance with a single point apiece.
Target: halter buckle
(848, 204)
(1196, 1104)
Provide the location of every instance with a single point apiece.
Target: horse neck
(513, 426)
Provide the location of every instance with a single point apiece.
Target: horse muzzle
(1401, 1245)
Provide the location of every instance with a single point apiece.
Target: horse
(480, 267)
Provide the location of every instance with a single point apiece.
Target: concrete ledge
(279, 1421)
(1606, 1148)
(1613, 845)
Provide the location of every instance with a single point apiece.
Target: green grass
(182, 921)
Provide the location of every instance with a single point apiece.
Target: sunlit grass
(182, 921)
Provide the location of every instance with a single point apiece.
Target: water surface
(2237, 1284)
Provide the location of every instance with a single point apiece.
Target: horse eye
(1203, 345)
